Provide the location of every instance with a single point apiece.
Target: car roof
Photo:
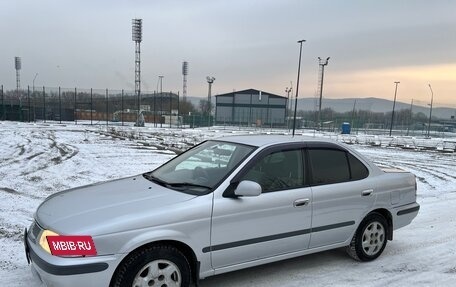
(266, 140)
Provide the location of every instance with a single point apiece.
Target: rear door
(342, 194)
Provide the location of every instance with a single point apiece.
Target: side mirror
(248, 188)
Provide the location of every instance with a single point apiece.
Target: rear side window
(358, 169)
(328, 166)
(335, 166)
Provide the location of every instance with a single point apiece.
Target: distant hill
(371, 104)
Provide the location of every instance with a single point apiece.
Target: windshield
(201, 168)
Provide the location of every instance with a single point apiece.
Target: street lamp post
(297, 86)
(210, 80)
(394, 106)
(430, 112)
(322, 64)
(288, 91)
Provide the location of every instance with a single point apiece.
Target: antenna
(184, 74)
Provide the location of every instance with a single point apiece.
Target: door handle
(367, 192)
(301, 202)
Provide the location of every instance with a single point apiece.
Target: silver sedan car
(223, 205)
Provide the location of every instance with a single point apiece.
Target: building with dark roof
(250, 107)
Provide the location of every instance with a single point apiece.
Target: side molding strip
(275, 237)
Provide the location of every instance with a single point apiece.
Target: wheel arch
(182, 247)
(389, 219)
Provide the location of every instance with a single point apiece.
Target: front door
(278, 221)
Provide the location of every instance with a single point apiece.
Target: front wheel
(370, 238)
(153, 266)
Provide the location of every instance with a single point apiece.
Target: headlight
(43, 240)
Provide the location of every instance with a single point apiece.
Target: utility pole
(33, 83)
(322, 65)
(394, 106)
(297, 86)
(430, 112)
(411, 117)
(353, 116)
(170, 108)
(161, 99)
(155, 107)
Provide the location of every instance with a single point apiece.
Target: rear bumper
(408, 210)
(403, 215)
(68, 272)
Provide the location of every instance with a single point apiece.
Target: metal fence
(123, 107)
(412, 119)
(95, 106)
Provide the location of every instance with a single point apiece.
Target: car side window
(357, 168)
(328, 166)
(278, 171)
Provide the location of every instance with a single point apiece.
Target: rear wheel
(370, 238)
(160, 265)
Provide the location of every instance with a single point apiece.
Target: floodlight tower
(18, 66)
(322, 65)
(137, 38)
(210, 81)
(184, 74)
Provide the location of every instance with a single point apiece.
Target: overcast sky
(242, 43)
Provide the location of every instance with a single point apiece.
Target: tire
(159, 265)
(370, 238)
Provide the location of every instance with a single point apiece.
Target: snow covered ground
(37, 160)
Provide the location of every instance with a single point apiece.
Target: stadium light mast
(394, 106)
(18, 66)
(184, 76)
(137, 38)
(297, 86)
(430, 112)
(322, 65)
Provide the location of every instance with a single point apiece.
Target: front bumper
(56, 271)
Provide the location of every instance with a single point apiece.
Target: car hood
(98, 208)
